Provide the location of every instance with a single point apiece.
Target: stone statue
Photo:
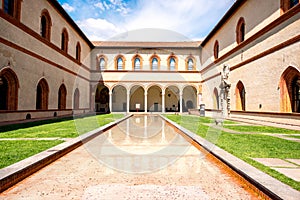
(225, 86)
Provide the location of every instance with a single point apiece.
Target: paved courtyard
(150, 163)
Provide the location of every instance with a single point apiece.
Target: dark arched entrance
(240, 96)
(42, 93)
(102, 99)
(62, 97)
(9, 86)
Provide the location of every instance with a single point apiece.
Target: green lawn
(261, 129)
(247, 146)
(62, 128)
(14, 151)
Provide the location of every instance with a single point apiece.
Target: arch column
(146, 102)
(128, 101)
(110, 100)
(163, 103)
(180, 97)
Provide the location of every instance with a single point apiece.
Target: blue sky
(104, 19)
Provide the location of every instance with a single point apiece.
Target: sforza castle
(248, 65)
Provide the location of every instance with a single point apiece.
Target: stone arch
(42, 95)
(62, 97)
(240, 93)
(172, 98)
(102, 98)
(9, 85)
(216, 104)
(76, 98)
(189, 98)
(137, 96)
(289, 90)
(119, 98)
(154, 101)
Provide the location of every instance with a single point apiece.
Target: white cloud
(68, 7)
(108, 18)
(188, 17)
(99, 29)
(100, 5)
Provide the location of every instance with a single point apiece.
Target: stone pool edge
(270, 186)
(16, 172)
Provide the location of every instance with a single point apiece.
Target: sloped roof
(124, 44)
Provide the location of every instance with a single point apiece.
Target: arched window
(62, 97)
(137, 64)
(172, 63)
(216, 50)
(190, 63)
(78, 52)
(12, 8)
(64, 40)
(9, 85)
(102, 64)
(45, 25)
(216, 99)
(76, 98)
(240, 96)
(290, 90)
(154, 62)
(240, 30)
(288, 4)
(42, 93)
(120, 62)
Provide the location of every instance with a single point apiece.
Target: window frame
(187, 64)
(137, 56)
(240, 34)
(216, 49)
(98, 67)
(48, 25)
(15, 10)
(151, 62)
(78, 52)
(116, 62)
(172, 57)
(64, 40)
(285, 5)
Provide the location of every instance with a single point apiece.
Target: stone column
(110, 101)
(146, 101)
(180, 97)
(128, 101)
(163, 103)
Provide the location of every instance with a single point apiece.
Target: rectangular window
(293, 3)
(8, 7)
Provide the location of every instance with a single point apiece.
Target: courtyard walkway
(141, 158)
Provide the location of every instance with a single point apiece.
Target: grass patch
(294, 136)
(261, 129)
(14, 151)
(247, 146)
(67, 128)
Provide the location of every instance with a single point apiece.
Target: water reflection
(140, 144)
